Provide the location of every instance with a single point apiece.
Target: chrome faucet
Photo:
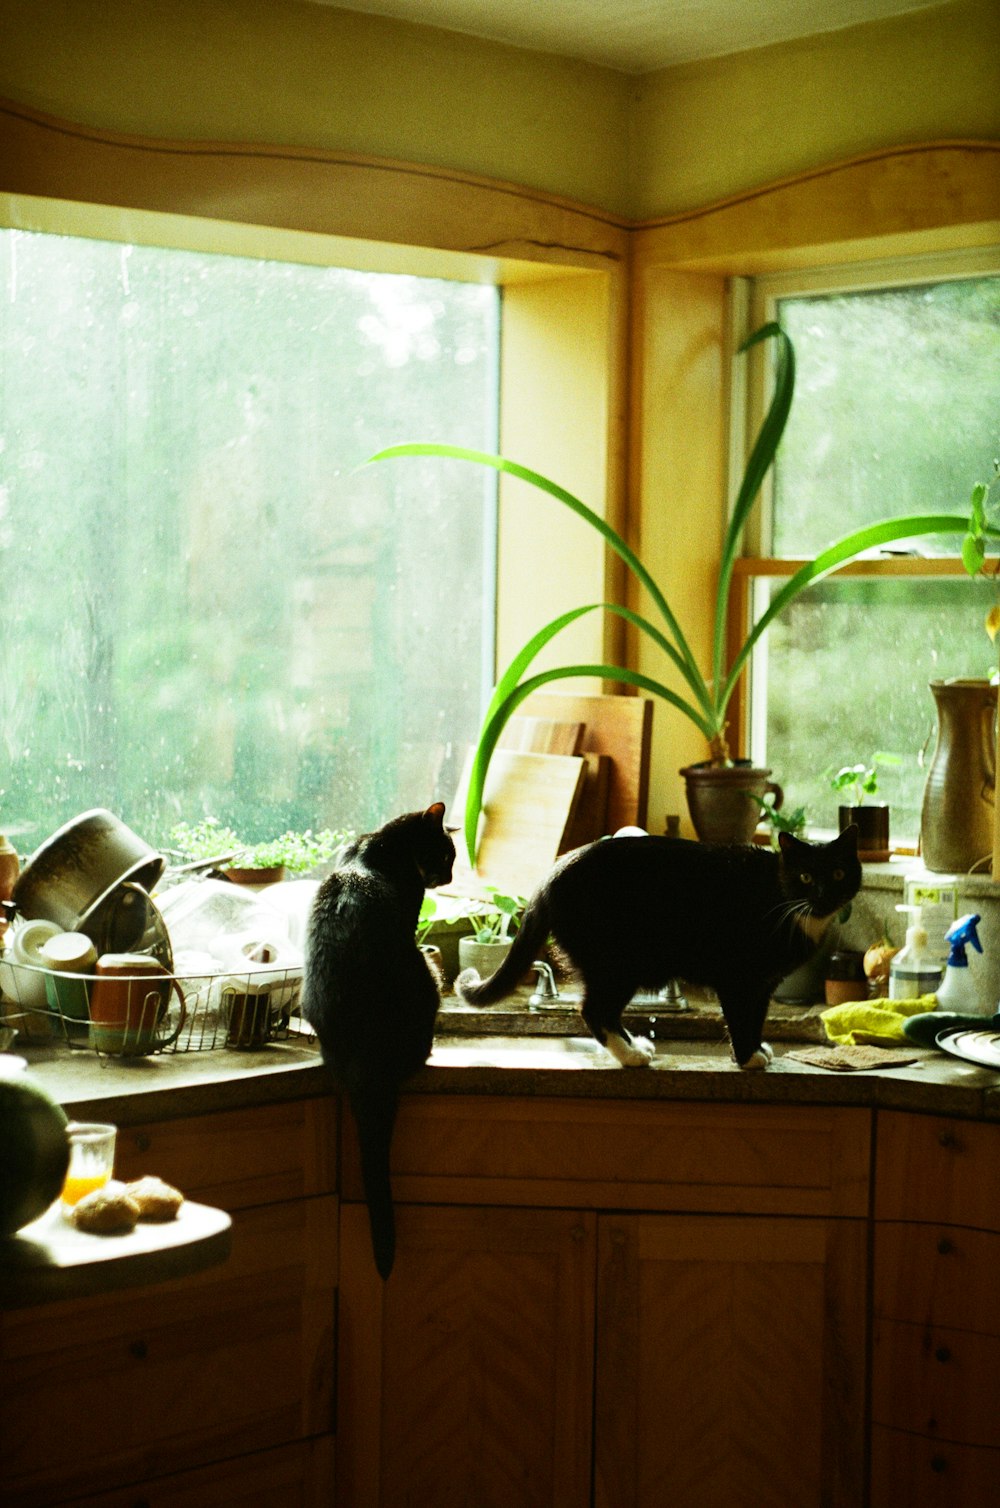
(546, 992)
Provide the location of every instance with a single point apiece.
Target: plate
(982, 1047)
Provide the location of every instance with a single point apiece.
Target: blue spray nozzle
(961, 934)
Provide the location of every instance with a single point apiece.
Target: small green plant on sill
(494, 920)
(295, 852)
(778, 820)
(426, 919)
(861, 780)
(705, 695)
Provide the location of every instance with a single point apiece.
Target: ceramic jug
(956, 824)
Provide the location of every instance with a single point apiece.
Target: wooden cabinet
(690, 1277)
(140, 1396)
(936, 1322)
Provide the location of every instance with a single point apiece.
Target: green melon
(34, 1152)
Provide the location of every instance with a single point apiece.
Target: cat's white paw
(635, 1054)
(761, 1058)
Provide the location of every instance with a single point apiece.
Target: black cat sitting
(631, 913)
(368, 993)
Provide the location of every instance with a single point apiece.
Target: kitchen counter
(492, 1053)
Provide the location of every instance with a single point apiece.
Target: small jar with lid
(845, 977)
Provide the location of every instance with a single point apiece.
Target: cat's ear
(788, 843)
(848, 838)
(436, 812)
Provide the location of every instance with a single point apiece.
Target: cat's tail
(374, 1111)
(528, 941)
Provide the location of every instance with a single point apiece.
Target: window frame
(754, 302)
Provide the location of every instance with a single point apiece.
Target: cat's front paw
(761, 1058)
(636, 1053)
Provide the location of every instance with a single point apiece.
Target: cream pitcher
(956, 824)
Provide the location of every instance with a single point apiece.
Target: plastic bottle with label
(914, 970)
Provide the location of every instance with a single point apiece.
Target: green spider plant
(704, 696)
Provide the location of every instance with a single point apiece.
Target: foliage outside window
(211, 608)
(897, 410)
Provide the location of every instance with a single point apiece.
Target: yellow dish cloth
(877, 1021)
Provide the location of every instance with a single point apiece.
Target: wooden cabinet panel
(920, 1473)
(730, 1363)
(938, 1275)
(936, 1168)
(467, 1377)
(652, 1155)
(292, 1476)
(137, 1385)
(937, 1382)
(238, 1158)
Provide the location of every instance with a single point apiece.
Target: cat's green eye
(838, 874)
(806, 879)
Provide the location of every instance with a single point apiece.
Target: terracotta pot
(872, 823)
(270, 876)
(720, 799)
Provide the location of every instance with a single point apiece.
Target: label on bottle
(937, 897)
(906, 984)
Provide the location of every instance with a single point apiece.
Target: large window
(210, 606)
(896, 411)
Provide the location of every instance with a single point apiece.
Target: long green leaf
(543, 483)
(840, 553)
(494, 725)
(761, 456)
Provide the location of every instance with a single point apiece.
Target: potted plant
(704, 693)
(853, 782)
(493, 924)
(263, 863)
(771, 812)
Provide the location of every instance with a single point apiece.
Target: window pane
(897, 399)
(208, 607)
(847, 668)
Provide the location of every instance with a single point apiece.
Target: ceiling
(637, 36)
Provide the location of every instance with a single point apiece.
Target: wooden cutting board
(529, 803)
(618, 726)
(541, 735)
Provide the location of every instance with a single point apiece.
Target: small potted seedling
(854, 783)
(494, 922)
(780, 821)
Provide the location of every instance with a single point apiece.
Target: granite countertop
(502, 1052)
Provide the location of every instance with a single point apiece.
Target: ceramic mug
(129, 997)
(69, 958)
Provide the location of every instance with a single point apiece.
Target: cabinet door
(730, 1362)
(292, 1476)
(465, 1381)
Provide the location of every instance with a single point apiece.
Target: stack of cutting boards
(569, 770)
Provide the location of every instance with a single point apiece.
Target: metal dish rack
(224, 1010)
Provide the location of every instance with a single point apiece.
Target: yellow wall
(287, 72)
(708, 130)
(301, 74)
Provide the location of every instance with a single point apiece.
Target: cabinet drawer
(931, 1474)
(131, 1387)
(937, 1275)
(294, 1476)
(937, 1382)
(936, 1168)
(754, 1159)
(237, 1158)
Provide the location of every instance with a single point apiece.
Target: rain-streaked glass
(210, 606)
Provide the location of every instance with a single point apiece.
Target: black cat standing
(368, 993)
(631, 913)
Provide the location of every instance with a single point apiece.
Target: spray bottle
(958, 992)
(914, 971)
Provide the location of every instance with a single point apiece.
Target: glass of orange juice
(91, 1159)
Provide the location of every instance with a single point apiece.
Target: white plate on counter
(982, 1047)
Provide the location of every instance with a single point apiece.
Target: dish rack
(168, 1013)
